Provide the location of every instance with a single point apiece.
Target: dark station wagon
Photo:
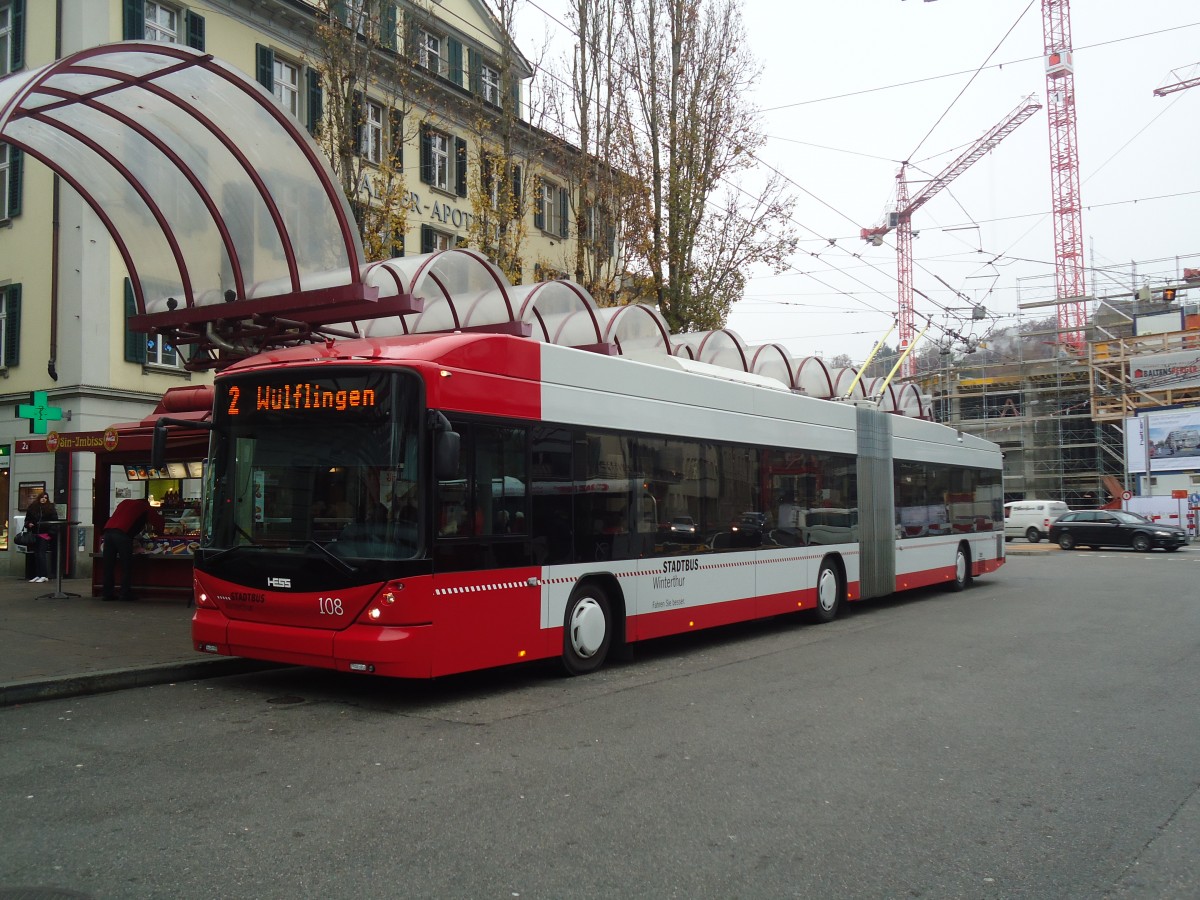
(1114, 528)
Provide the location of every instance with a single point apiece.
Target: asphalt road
(1036, 736)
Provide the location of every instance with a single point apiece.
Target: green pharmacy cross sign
(39, 411)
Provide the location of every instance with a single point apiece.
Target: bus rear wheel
(830, 590)
(587, 630)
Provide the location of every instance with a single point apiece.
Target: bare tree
(356, 55)
(604, 198)
(693, 132)
(500, 196)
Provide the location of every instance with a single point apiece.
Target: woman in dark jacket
(39, 512)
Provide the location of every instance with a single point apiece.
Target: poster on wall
(1136, 458)
(27, 492)
(1172, 440)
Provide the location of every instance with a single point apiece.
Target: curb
(63, 686)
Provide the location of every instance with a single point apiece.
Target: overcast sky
(850, 89)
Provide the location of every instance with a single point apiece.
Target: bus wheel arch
(593, 623)
(962, 568)
(831, 589)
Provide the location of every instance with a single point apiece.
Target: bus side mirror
(447, 449)
(447, 444)
(158, 446)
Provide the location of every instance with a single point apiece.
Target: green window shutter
(387, 26)
(426, 239)
(460, 167)
(12, 325)
(264, 70)
(16, 49)
(316, 101)
(455, 53)
(426, 158)
(516, 189)
(133, 20)
(14, 181)
(135, 342)
(516, 97)
(410, 38)
(563, 209)
(539, 210)
(338, 11)
(485, 173)
(194, 28)
(396, 126)
(475, 68)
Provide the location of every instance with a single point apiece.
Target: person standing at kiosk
(39, 512)
(126, 523)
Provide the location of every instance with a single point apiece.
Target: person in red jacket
(126, 523)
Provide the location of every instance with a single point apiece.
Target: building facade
(435, 149)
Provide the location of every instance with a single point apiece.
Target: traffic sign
(1126, 495)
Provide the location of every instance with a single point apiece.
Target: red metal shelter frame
(52, 113)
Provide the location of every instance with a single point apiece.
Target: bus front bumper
(397, 652)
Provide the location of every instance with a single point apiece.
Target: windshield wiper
(341, 563)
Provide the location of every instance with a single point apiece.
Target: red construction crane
(901, 219)
(1064, 174)
(1177, 86)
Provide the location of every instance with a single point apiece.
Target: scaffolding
(1060, 417)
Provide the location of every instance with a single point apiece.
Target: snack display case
(180, 535)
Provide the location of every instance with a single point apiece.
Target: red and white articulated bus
(428, 504)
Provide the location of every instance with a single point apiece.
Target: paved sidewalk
(53, 648)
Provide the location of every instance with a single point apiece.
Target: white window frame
(549, 201)
(286, 85)
(439, 152)
(372, 132)
(489, 84)
(160, 353)
(162, 32)
(4, 179)
(442, 240)
(433, 53)
(4, 326)
(6, 37)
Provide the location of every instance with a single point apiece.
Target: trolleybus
(429, 504)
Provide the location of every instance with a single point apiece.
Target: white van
(1031, 519)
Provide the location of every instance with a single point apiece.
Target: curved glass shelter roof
(212, 194)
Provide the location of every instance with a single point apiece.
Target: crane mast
(1066, 206)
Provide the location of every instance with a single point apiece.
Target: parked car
(1031, 519)
(1115, 528)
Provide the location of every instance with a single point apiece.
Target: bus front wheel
(587, 630)
(962, 570)
(829, 592)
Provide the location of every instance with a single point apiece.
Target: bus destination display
(299, 398)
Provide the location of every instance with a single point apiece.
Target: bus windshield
(325, 462)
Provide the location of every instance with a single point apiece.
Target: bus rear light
(374, 613)
(203, 600)
(208, 648)
(362, 667)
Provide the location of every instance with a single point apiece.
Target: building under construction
(1060, 415)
